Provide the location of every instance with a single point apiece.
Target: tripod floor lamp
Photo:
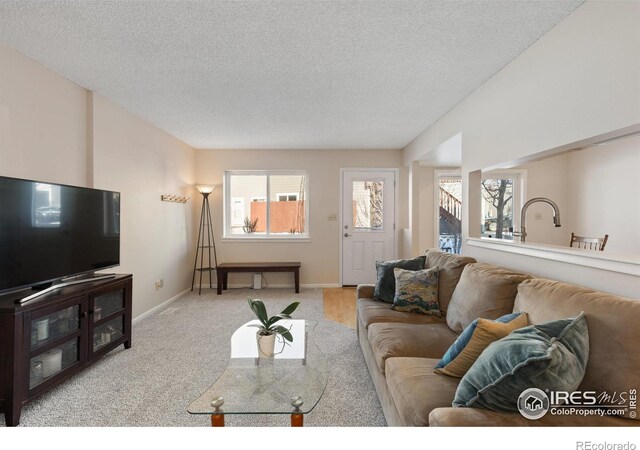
(206, 242)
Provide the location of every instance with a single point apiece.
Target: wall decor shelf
(174, 198)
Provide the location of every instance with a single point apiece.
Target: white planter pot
(266, 345)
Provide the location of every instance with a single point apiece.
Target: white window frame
(519, 177)
(303, 237)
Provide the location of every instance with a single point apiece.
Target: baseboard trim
(320, 285)
(159, 307)
(276, 286)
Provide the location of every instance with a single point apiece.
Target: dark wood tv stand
(47, 340)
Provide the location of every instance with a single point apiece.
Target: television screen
(50, 231)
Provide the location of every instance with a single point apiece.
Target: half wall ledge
(626, 264)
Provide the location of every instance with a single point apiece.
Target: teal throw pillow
(552, 355)
(385, 289)
(417, 291)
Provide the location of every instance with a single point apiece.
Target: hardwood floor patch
(340, 305)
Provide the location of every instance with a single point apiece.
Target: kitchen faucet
(523, 215)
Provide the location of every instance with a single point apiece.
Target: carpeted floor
(179, 352)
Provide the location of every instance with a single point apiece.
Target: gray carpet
(179, 352)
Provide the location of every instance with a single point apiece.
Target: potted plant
(250, 226)
(268, 328)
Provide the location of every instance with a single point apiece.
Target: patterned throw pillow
(474, 339)
(551, 355)
(386, 283)
(417, 291)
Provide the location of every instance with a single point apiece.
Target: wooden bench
(223, 270)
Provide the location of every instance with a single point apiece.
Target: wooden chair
(588, 243)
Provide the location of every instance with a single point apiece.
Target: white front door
(368, 228)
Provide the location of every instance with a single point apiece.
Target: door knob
(346, 235)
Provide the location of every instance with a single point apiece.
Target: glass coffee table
(292, 382)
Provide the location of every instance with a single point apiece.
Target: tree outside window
(497, 207)
(368, 205)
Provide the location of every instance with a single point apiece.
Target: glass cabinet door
(107, 304)
(48, 328)
(53, 335)
(108, 332)
(51, 362)
(107, 319)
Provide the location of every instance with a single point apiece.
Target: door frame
(396, 199)
(437, 174)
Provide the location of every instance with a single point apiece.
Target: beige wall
(143, 162)
(427, 209)
(43, 122)
(580, 80)
(604, 193)
(320, 257)
(54, 130)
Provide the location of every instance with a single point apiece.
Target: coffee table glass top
(252, 385)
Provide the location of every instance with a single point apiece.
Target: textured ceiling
(280, 74)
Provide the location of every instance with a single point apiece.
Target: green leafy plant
(268, 325)
(250, 226)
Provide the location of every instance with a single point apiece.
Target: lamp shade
(205, 188)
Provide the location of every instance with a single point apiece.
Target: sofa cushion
(389, 340)
(474, 339)
(416, 390)
(385, 288)
(372, 311)
(417, 291)
(484, 291)
(614, 362)
(451, 267)
(477, 417)
(550, 356)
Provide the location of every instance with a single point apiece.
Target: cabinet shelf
(41, 386)
(115, 342)
(105, 319)
(54, 343)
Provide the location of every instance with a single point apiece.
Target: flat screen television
(52, 231)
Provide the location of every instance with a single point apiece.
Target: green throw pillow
(385, 289)
(552, 355)
(417, 291)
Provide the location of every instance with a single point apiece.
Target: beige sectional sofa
(401, 349)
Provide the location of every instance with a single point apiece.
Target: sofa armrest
(365, 290)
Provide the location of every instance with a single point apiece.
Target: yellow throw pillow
(474, 339)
